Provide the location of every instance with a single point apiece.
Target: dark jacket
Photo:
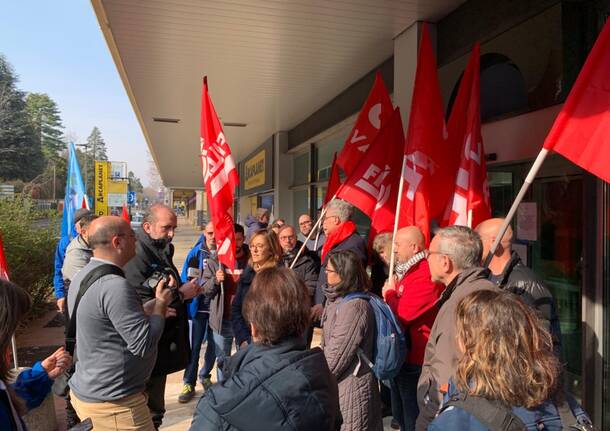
(212, 290)
(353, 242)
(307, 267)
(544, 417)
(253, 225)
(241, 328)
(174, 347)
(280, 387)
(520, 280)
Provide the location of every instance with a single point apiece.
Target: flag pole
(14, 348)
(318, 222)
(398, 204)
(469, 222)
(513, 209)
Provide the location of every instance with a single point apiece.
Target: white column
(282, 176)
(405, 64)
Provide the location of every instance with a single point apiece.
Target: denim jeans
(404, 396)
(200, 331)
(223, 342)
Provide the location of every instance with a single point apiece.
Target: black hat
(80, 213)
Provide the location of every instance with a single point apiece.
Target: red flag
(581, 132)
(3, 265)
(375, 112)
(470, 202)
(430, 163)
(334, 182)
(373, 186)
(220, 177)
(84, 203)
(125, 215)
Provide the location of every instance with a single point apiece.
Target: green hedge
(30, 237)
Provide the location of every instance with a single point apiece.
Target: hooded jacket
(174, 347)
(278, 387)
(253, 225)
(78, 255)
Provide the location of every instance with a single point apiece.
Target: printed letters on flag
(581, 132)
(376, 111)
(470, 202)
(220, 177)
(373, 185)
(430, 163)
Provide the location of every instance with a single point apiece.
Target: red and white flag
(581, 132)
(430, 164)
(220, 178)
(374, 113)
(373, 185)
(470, 202)
(3, 264)
(334, 182)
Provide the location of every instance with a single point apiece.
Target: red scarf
(339, 235)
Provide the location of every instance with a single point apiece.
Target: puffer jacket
(346, 327)
(522, 281)
(441, 355)
(307, 267)
(278, 387)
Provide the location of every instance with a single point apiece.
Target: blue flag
(75, 193)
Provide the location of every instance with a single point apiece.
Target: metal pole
(318, 222)
(54, 180)
(396, 219)
(14, 347)
(513, 209)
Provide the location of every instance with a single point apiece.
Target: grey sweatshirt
(78, 255)
(116, 343)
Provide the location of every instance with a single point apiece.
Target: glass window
(300, 202)
(325, 154)
(301, 169)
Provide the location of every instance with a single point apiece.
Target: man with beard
(154, 254)
(307, 268)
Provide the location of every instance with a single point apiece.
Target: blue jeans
(404, 396)
(201, 331)
(223, 342)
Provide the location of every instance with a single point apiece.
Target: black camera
(156, 278)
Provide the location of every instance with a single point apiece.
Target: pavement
(46, 334)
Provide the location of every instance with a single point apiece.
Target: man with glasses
(199, 314)
(316, 241)
(341, 234)
(154, 256)
(454, 257)
(306, 266)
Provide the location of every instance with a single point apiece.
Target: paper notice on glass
(527, 221)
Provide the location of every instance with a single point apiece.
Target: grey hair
(343, 209)
(462, 245)
(150, 216)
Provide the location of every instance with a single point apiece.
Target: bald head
(112, 238)
(488, 231)
(408, 242)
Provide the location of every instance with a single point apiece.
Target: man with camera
(152, 262)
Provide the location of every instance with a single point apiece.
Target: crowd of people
(484, 344)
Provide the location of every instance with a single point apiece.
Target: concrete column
(200, 207)
(282, 174)
(406, 45)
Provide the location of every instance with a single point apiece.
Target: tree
(135, 185)
(20, 152)
(95, 149)
(96, 144)
(46, 123)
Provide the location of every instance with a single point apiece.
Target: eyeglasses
(428, 253)
(303, 223)
(329, 216)
(329, 271)
(209, 233)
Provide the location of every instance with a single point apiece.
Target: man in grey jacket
(78, 253)
(453, 256)
(116, 337)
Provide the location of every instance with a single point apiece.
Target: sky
(56, 47)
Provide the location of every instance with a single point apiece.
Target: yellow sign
(101, 188)
(254, 171)
(116, 193)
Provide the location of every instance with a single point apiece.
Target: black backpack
(498, 417)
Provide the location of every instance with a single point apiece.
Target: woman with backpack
(508, 377)
(348, 328)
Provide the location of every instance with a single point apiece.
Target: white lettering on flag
(224, 247)
(460, 207)
(462, 178)
(375, 115)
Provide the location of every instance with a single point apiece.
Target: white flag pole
(398, 204)
(469, 222)
(318, 222)
(513, 209)
(14, 347)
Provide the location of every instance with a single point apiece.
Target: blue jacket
(457, 419)
(196, 258)
(32, 386)
(253, 225)
(60, 255)
(241, 328)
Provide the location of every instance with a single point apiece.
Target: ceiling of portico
(270, 63)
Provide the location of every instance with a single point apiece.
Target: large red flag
(581, 132)
(373, 185)
(430, 163)
(3, 264)
(470, 202)
(220, 177)
(334, 182)
(374, 113)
